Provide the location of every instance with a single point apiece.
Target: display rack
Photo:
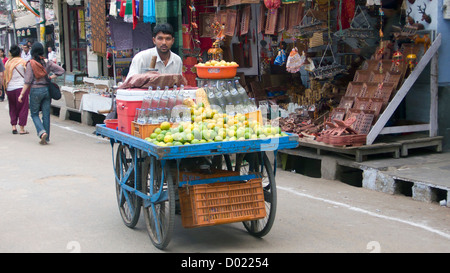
(380, 126)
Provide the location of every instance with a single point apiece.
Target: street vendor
(167, 62)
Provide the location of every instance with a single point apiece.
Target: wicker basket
(221, 203)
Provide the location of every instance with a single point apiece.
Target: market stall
(84, 95)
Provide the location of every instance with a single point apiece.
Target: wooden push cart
(213, 183)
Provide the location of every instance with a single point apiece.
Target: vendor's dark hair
(165, 28)
(37, 51)
(14, 50)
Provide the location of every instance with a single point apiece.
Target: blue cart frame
(144, 177)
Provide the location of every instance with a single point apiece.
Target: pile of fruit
(208, 125)
(217, 63)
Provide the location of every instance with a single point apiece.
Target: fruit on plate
(209, 125)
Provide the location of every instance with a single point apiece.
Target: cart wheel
(129, 203)
(259, 163)
(159, 214)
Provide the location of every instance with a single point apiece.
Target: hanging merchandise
(123, 4)
(272, 4)
(135, 12)
(113, 8)
(191, 48)
(262, 17)
(245, 20)
(271, 21)
(149, 11)
(128, 15)
(295, 61)
(311, 22)
(360, 27)
(328, 71)
(280, 59)
(190, 59)
(316, 40)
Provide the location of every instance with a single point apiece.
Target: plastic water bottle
(242, 93)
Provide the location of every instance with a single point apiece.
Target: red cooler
(127, 102)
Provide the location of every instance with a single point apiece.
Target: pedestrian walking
(37, 77)
(51, 54)
(14, 80)
(2, 68)
(3, 56)
(26, 55)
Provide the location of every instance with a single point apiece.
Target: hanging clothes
(123, 4)
(149, 11)
(128, 16)
(113, 8)
(135, 12)
(347, 11)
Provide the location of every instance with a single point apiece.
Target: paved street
(61, 198)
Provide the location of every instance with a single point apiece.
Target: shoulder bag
(53, 89)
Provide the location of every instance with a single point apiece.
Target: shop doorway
(77, 39)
